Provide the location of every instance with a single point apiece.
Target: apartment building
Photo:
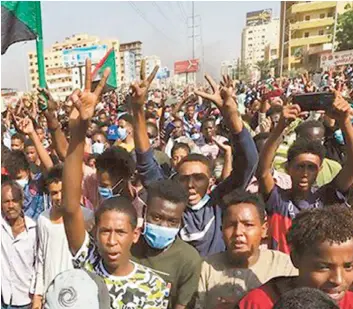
(260, 33)
(129, 67)
(229, 67)
(308, 31)
(136, 48)
(151, 62)
(64, 62)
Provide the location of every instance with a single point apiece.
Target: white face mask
(22, 182)
(98, 148)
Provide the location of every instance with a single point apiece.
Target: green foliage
(344, 34)
(264, 67)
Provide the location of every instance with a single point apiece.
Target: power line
(183, 15)
(160, 10)
(138, 11)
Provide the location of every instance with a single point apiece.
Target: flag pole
(39, 47)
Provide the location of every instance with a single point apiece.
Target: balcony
(317, 39)
(320, 49)
(314, 23)
(312, 6)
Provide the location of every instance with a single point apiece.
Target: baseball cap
(112, 133)
(79, 289)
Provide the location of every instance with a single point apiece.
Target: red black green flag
(19, 22)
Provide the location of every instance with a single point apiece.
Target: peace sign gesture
(85, 101)
(139, 90)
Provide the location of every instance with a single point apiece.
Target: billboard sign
(336, 59)
(77, 56)
(258, 17)
(187, 66)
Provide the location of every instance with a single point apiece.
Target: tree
(264, 67)
(344, 32)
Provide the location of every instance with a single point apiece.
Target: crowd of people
(210, 197)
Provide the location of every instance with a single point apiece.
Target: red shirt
(266, 295)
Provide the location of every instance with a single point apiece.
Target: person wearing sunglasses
(202, 217)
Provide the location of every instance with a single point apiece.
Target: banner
(336, 59)
(77, 56)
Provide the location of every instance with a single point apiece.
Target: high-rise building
(64, 62)
(151, 62)
(136, 48)
(129, 67)
(261, 30)
(307, 28)
(229, 67)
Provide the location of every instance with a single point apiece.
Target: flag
(108, 61)
(19, 22)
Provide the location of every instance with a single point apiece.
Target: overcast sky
(161, 26)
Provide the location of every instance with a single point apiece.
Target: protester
(304, 162)
(108, 255)
(18, 249)
(53, 255)
(323, 255)
(226, 277)
(301, 298)
(161, 249)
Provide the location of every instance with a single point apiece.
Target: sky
(160, 25)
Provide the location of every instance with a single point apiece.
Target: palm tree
(264, 67)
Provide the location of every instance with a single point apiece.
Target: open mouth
(113, 256)
(335, 295)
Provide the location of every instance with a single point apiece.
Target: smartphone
(315, 101)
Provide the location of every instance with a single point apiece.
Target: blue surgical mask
(195, 136)
(122, 133)
(339, 137)
(98, 148)
(22, 182)
(106, 193)
(159, 237)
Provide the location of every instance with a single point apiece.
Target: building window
(306, 34)
(321, 32)
(250, 31)
(322, 15)
(33, 78)
(30, 56)
(307, 17)
(330, 14)
(33, 85)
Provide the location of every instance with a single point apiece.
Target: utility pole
(193, 36)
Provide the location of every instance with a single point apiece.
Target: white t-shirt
(54, 255)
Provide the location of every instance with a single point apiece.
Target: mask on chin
(22, 182)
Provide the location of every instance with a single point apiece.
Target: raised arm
(245, 156)
(85, 102)
(267, 155)
(227, 166)
(25, 125)
(147, 167)
(179, 105)
(342, 113)
(60, 143)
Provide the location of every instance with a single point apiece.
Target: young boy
(304, 163)
(321, 242)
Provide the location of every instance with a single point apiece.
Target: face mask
(201, 203)
(12, 131)
(195, 136)
(98, 148)
(106, 193)
(122, 133)
(339, 137)
(159, 237)
(22, 182)
(166, 115)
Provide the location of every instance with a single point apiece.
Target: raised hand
(289, 114)
(25, 125)
(85, 101)
(341, 110)
(140, 90)
(222, 146)
(215, 97)
(52, 104)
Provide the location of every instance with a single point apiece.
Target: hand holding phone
(315, 101)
